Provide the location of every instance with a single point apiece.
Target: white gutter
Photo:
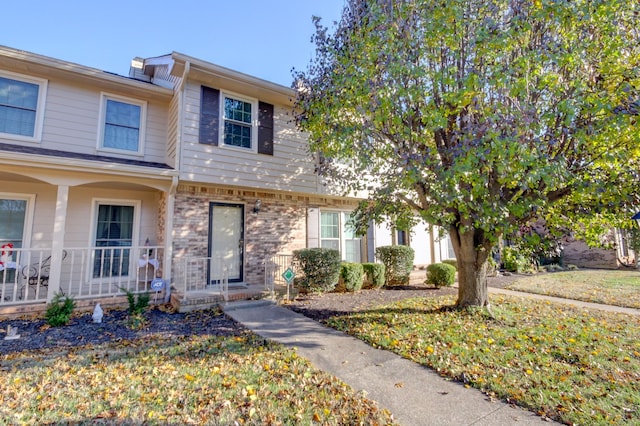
(180, 91)
(235, 76)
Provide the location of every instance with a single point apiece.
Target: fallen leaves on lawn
(576, 365)
(191, 380)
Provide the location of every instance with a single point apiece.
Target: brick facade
(279, 227)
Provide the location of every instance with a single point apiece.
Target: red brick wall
(279, 227)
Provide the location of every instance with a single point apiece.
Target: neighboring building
(429, 246)
(578, 253)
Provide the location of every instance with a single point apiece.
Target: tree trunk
(472, 252)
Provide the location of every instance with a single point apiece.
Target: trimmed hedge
(320, 269)
(398, 263)
(452, 262)
(441, 274)
(373, 275)
(351, 277)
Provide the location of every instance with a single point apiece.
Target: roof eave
(32, 62)
(237, 80)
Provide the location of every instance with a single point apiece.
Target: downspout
(171, 195)
(180, 124)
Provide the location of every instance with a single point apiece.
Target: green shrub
(137, 307)
(514, 261)
(571, 267)
(320, 268)
(398, 263)
(373, 275)
(59, 310)
(441, 274)
(452, 262)
(351, 277)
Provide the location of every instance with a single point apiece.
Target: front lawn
(187, 380)
(619, 288)
(574, 365)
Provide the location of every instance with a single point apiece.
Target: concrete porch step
(195, 301)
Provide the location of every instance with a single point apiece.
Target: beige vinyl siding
(71, 123)
(173, 127)
(289, 169)
(80, 221)
(45, 206)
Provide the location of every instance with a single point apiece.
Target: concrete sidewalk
(414, 394)
(572, 302)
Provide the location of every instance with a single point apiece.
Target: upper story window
(239, 122)
(122, 124)
(235, 121)
(21, 106)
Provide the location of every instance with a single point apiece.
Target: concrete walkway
(414, 394)
(608, 308)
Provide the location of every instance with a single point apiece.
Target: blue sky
(263, 38)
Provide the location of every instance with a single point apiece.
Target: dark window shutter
(209, 115)
(265, 128)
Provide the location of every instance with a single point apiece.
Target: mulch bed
(324, 306)
(37, 335)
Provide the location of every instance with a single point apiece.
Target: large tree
(479, 116)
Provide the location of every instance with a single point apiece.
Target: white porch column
(167, 262)
(57, 245)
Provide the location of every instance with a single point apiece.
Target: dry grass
(618, 288)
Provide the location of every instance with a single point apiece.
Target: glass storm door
(226, 243)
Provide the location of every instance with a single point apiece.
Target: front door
(226, 242)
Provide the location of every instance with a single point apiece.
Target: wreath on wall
(6, 250)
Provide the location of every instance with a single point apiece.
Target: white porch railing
(19, 281)
(273, 270)
(85, 273)
(202, 274)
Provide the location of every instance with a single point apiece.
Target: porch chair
(37, 274)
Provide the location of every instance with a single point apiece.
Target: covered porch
(106, 274)
(89, 230)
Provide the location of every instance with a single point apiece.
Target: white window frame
(30, 211)
(104, 97)
(135, 236)
(342, 239)
(40, 106)
(254, 121)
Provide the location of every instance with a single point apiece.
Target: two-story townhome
(248, 192)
